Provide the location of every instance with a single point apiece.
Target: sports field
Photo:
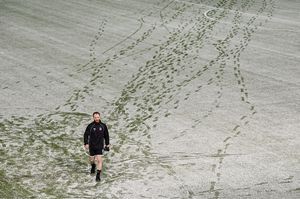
(201, 98)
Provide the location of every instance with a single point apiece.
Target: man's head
(96, 116)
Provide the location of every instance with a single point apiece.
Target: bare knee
(92, 159)
(98, 159)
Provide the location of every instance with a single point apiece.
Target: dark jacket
(95, 134)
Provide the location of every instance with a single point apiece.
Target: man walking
(94, 136)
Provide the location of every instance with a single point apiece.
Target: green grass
(11, 189)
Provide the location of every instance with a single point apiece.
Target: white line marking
(205, 14)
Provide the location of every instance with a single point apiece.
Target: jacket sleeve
(106, 135)
(86, 135)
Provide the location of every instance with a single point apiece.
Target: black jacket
(95, 134)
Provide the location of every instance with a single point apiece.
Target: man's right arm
(86, 135)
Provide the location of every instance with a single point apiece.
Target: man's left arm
(106, 136)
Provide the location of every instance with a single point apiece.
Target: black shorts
(95, 151)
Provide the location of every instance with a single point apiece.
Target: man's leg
(93, 165)
(92, 159)
(98, 160)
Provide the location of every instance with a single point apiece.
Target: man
(94, 136)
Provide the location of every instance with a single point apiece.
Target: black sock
(98, 171)
(93, 164)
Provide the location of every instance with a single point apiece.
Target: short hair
(96, 113)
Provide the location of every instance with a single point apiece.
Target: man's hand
(106, 147)
(86, 147)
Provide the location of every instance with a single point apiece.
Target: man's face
(97, 118)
